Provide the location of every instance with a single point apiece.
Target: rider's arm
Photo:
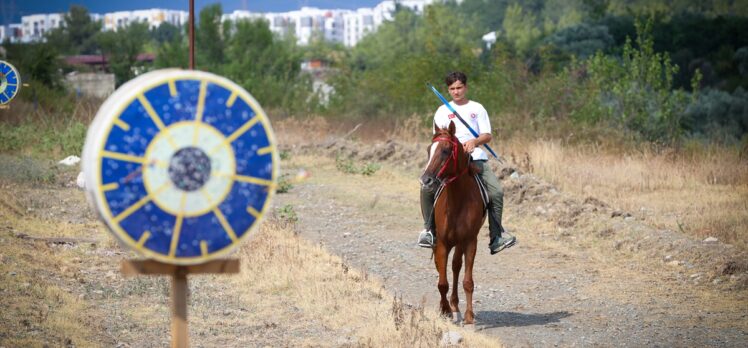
(483, 138)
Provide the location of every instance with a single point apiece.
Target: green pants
(495, 206)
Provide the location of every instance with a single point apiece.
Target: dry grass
(286, 271)
(700, 192)
(290, 292)
(37, 306)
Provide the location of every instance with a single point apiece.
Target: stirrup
(426, 239)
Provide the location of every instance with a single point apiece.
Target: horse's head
(445, 159)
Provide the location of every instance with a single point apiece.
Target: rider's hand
(469, 146)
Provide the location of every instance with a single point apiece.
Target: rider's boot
(499, 243)
(427, 239)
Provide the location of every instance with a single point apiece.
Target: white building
(343, 26)
(14, 32)
(357, 24)
(154, 18)
(304, 23)
(35, 26)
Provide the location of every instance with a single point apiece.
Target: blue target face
(10, 82)
(184, 165)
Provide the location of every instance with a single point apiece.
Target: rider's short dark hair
(454, 77)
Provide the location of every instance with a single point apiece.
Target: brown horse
(458, 213)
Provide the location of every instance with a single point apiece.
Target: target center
(189, 168)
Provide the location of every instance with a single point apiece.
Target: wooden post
(179, 288)
(192, 34)
(179, 308)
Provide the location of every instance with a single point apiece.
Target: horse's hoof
(456, 317)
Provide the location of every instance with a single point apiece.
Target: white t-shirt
(474, 114)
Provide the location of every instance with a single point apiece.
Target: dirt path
(552, 289)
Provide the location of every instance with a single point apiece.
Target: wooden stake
(179, 308)
(179, 288)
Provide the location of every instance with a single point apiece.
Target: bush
(582, 40)
(718, 115)
(636, 91)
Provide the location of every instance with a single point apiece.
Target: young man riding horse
(476, 116)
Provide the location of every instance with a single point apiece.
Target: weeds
(26, 169)
(288, 214)
(284, 185)
(349, 167)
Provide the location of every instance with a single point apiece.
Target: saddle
(481, 187)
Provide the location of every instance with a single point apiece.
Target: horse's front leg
(467, 283)
(440, 259)
(454, 300)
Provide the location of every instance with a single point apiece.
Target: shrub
(636, 91)
(718, 115)
(284, 185)
(287, 213)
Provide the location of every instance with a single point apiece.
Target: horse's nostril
(428, 182)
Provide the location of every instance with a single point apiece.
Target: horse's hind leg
(454, 300)
(440, 259)
(467, 283)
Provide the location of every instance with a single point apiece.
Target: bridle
(452, 158)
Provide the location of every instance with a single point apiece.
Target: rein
(452, 158)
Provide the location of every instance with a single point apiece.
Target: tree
(172, 55)
(77, 33)
(386, 71)
(39, 63)
(122, 47)
(520, 27)
(172, 49)
(209, 41)
(637, 90)
(489, 14)
(582, 40)
(263, 64)
(166, 32)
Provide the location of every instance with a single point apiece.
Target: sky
(12, 10)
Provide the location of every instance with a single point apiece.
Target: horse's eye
(445, 151)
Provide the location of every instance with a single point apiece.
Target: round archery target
(180, 165)
(10, 82)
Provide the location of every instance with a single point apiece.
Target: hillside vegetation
(587, 71)
(655, 92)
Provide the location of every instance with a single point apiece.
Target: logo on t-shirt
(452, 116)
(473, 115)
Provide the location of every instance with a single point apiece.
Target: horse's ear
(451, 128)
(436, 128)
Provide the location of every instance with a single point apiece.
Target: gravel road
(545, 291)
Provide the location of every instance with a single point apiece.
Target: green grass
(27, 169)
(346, 165)
(43, 139)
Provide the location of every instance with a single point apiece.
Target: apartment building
(12, 32)
(344, 26)
(154, 18)
(35, 26)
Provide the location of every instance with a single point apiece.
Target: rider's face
(458, 91)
